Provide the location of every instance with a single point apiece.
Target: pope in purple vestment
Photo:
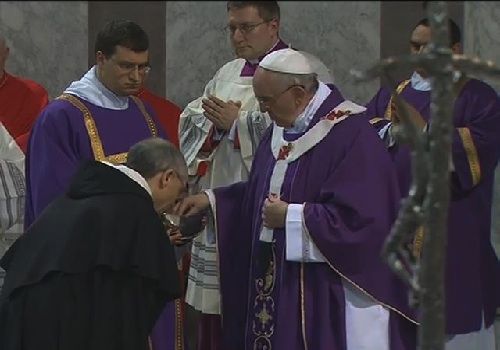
(331, 165)
(472, 275)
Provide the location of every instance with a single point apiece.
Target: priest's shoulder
(156, 102)
(56, 110)
(480, 90)
(231, 69)
(353, 126)
(27, 86)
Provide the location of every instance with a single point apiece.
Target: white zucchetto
(296, 62)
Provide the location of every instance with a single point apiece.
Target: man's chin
(132, 90)
(245, 53)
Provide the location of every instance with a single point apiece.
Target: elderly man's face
(281, 102)
(251, 36)
(123, 72)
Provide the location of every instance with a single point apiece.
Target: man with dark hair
(97, 117)
(268, 10)
(219, 133)
(96, 268)
(472, 273)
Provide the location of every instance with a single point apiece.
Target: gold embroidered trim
(95, 140)
(399, 89)
(303, 305)
(304, 227)
(264, 288)
(418, 242)
(375, 120)
(147, 117)
(119, 158)
(471, 152)
(179, 336)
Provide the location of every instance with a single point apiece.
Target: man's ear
(300, 94)
(167, 176)
(275, 24)
(99, 57)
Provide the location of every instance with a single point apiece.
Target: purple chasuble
(472, 276)
(59, 142)
(348, 185)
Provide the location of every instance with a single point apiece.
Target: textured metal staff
(427, 203)
(431, 274)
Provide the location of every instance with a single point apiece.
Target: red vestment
(167, 113)
(21, 101)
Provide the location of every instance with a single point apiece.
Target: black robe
(93, 272)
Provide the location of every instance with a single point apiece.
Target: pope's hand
(175, 237)
(192, 204)
(274, 212)
(221, 114)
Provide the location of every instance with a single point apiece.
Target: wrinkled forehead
(264, 81)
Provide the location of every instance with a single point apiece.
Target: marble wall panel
(47, 40)
(342, 34)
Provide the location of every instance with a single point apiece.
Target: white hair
(308, 81)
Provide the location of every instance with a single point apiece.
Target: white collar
(90, 88)
(131, 173)
(304, 118)
(419, 83)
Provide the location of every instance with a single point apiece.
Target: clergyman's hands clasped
(221, 114)
(192, 204)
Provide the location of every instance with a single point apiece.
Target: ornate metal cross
(427, 204)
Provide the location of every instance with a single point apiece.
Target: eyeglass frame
(274, 99)
(145, 68)
(244, 28)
